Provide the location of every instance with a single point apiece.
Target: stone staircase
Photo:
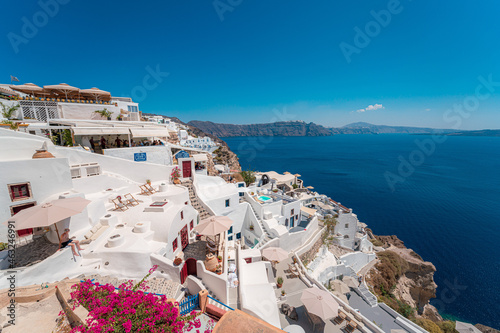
(194, 200)
(363, 291)
(267, 235)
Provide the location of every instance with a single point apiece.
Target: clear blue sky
(267, 55)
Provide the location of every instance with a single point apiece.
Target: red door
(184, 273)
(15, 210)
(191, 266)
(186, 169)
(184, 237)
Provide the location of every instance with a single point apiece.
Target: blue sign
(182, 154)
(140, 157)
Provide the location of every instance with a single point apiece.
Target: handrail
(227, 306)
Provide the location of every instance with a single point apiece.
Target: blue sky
(241, 61)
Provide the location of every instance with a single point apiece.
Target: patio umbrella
(340, 286)
(214, 225)
(466, 328)
(96, 93)
(341, 296)
(48, 213)
(350, 281)
(28, 88)
(294, 329)
(320, 302)
(63, 88)
(297, 175)
(275, 253)
(310, 187)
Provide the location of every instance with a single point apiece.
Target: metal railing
(189, 304)
(228, 308)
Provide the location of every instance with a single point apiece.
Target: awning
(200, 158)
(308, 211)
(149, 132)
(100, 130)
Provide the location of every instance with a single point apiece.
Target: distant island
(486, 132)
(301, 128)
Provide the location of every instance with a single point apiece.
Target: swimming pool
(264, 198)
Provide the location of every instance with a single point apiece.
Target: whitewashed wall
(154, 154)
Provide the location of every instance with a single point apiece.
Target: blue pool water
(447, 209)
(264, 198)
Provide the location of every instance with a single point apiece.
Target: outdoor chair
(351, 326)
(119, 205)
(293, 270)
(150, 188)
(131, 200)
(340, 318)
(145, 190)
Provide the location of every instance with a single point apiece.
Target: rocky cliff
(284, 128)
(403, 280)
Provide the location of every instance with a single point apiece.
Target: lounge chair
(293, 270)
(351, 326)
(131, 200)
(340, 318)
(150, 188)
(145, 190)
(119, 205)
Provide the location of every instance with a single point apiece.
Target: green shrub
(428, 325)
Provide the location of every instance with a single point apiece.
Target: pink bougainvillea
(128, 309)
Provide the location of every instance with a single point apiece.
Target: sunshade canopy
(149, 132)
(214, 225)
(100, 130)
(339, 286)
(350, 281)
(320, 302)
(48, 213)
(62, 88)
(275, 253)
(28, 88)
(96, 93)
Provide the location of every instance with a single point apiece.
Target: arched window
(346, 236)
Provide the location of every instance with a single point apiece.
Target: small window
(346, 236)
(297, 216)
(230, 231)
(241, 185)
(230, 238)
(174, 245)
(20, 191)
(242, 194)
(191, 225)
(347, 225)
(286, 222)
(182, 215)
(186, 203)
(132, 108)
(227, 203)
(238, 235)
(293, 212)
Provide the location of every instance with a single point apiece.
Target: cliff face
(404, 274)
(285, 128)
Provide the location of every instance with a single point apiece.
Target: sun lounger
(119, 205)
(293, 270)
(150, 188)
(145, 190)
(351, 326)
(340, 318)
(131, 200)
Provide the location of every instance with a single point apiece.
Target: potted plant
(219, 258)
(120, 117)
(177, 261)
(218, 269)
(148, 181)
(279, 281)
(251, 227)
(275, 190)
(176, 174)
(283, 293)
(104, 113)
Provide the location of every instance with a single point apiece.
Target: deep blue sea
(447, 208)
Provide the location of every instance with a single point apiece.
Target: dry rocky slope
(401, 276)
